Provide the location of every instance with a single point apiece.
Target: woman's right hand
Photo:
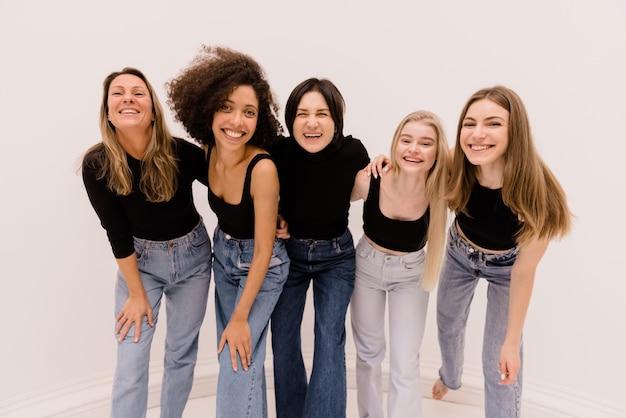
(133, 312)
(378, 166)
(282, 231)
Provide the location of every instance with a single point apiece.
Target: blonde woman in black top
(398, 260)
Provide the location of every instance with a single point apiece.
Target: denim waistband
(458, 241)
(186, 239)
(221, 234)
(330, 241)
(364, 246)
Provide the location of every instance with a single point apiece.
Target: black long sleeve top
(125, 217)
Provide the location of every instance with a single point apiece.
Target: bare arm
(361, 186)
(264, 190)
(522, 281)
(137, 305)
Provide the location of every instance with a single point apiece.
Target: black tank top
(392, 234)
(237, 220)
(489, 223)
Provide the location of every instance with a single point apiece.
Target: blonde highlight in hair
(159, 166)
(529, 187)
(436, 184)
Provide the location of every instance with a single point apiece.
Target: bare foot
(439, 390)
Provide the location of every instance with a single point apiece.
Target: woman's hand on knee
(237, 335)
(131, 314)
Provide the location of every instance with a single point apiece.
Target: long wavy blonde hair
(159, 165)
(436, 182)
(529, 188)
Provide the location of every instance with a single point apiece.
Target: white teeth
(312, 135)
(233, 134)
(479, 147)
(129, 112)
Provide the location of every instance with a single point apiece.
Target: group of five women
(282, 205)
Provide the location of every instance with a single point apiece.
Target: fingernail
(502, 376)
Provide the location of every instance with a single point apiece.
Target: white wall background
(564, 57)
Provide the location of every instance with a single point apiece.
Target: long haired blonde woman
(398, 260)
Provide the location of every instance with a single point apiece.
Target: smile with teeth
(129, 112)
(312, 135)
(479, 147)
(233, 134)
(412, 160)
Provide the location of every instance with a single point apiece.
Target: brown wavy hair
(529, 188)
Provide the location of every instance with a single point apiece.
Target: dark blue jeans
(329, 264)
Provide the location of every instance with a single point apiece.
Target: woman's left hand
(237, 335)
(510, 364)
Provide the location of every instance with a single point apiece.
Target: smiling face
(129, 105)
(235, 122)
(416, 149)
(484, 134)
(313, 126)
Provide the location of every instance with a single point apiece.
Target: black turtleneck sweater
(315, 188)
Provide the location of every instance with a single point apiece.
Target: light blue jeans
(464, 265)
(243, 393)
(180, 269)
(329, 264)
(382, 277)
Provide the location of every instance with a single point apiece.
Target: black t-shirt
(125, 217)
(315, 188)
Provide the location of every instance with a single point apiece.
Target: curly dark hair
(201, 88)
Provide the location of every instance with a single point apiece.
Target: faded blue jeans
(180, 269)
(329, 264)
(243, 394)
(464, 265)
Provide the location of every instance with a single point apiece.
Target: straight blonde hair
(436, 186)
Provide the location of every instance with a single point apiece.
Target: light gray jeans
(381, 277)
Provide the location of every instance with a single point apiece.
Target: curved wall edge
(90, 397)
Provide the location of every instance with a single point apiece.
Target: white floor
(205, 407)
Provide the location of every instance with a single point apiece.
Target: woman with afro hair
(225, 103)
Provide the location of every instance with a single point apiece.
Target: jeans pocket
(199, 239)
(363, 251)
(140, 250)
(411, 265)
(502, 260)
(276, 261)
